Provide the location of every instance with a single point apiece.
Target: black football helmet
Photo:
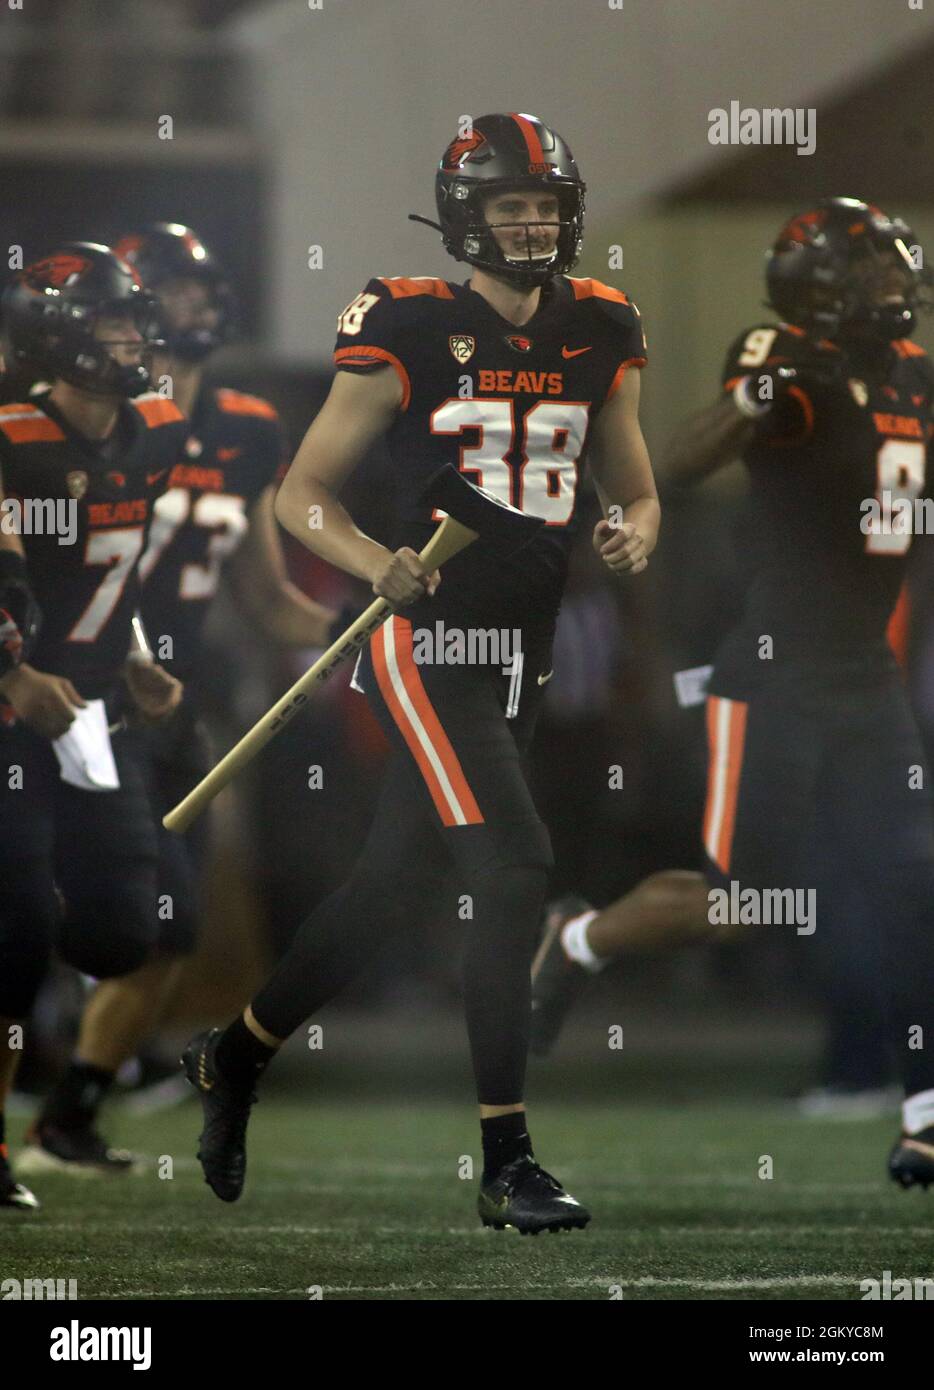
(50, 310)
(505, 152)
(816, 276)
(167, 251)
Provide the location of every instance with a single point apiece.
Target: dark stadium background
(297, 127)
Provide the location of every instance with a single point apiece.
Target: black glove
(20, 617)
(808, 367)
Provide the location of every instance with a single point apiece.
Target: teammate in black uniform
(814, 754)
(219, 493)
(81, 466)
(514, 377)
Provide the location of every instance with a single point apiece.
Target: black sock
(240, 1056)
(505, 1138)
(77, 1097)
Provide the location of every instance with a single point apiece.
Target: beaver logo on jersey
(77, 483)
(462, 346)
(519, 343)
(461, 149)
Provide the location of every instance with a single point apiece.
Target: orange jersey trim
(403, 287)
(807, 410)
(899, 628)
(904, 347)
(24, 424)
(367, 354)
(726, 737)
(595, 289)
(407, 700)
(239, 403)
(621, 371)
(157, 410)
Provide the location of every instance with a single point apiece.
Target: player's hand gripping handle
(450, 538)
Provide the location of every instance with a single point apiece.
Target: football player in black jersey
(815, 763)
(217, 507)
(81, 466)
(513, 376)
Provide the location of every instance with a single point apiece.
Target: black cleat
(78, 1151)
(556, 979)
(12, 1193)
(524, 1196)
(911, 1162)
(222, 1144)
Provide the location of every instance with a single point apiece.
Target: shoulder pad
(157, 410)
(595, 289)
(615, 306)
(767, 344)
(904, 347)
(404, 287)
(25, 423)
(619, 312)
(239, 403)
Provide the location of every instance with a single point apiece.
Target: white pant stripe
(720, 753)
(388, 634)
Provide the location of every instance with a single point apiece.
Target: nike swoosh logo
(574, 352)
(154, 477)
(546, 677)
(225, 455)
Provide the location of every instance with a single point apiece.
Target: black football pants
(98, 848)
(454, 801)
(815, 783)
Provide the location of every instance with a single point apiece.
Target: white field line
(657, 1232)
(698, 1285)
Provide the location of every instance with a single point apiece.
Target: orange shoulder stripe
(24, 424)
(899, 628)
(157, 410)
(403, 286)
(906, 348)
(595, 289)
(365, 353)
(239, 403)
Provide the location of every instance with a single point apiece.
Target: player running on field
(217, 509)
(84, 465)
(815, 762)
(514, 376)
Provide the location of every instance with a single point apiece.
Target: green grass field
(357, 1192)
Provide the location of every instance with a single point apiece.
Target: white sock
(918, 1111)
(575, 943)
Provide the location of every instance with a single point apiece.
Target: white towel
(84, 752)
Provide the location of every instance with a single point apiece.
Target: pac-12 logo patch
(76, 483)
(462, 346)
(858, 390)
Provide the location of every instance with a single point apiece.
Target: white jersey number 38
(553, 434)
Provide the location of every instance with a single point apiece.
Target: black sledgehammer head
(499, 526)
